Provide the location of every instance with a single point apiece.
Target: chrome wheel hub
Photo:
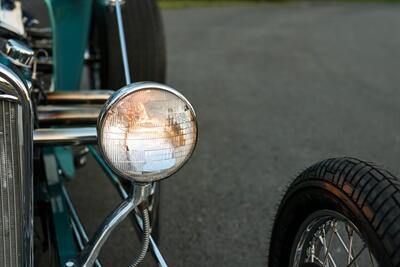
(329, 239)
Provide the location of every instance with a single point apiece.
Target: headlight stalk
(139, 195)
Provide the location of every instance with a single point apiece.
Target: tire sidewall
(307, 197)
(144, 39)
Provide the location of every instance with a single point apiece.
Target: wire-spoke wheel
(326, 239)
(340, 212)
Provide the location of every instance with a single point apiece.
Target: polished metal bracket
(90, 253)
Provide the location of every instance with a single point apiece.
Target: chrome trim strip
(7, 88)
(9, 98)
(65, 136)
(11, 83)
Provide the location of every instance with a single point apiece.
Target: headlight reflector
(147, 131)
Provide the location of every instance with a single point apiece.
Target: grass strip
(171, 4)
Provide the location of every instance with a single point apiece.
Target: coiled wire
(146, 238)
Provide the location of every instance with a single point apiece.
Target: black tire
(367, 195)
(145, 43)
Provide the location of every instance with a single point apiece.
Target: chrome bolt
(82, 161)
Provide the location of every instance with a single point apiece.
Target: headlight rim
(118, 96)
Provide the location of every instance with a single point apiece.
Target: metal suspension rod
(76, 223)
(122, 42)
(74, 215)
(77, 235)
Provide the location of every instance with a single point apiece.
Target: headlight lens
(147, 131)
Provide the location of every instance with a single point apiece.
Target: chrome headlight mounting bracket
(140, 193)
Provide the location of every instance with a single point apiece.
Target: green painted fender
(70, 20)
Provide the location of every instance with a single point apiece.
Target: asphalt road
(276, 88)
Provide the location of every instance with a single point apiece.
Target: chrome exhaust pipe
(53, 115)
(79, 97)
(65, 136)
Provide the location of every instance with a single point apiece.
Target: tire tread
(367, 185)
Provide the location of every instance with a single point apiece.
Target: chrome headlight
(147, 131)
